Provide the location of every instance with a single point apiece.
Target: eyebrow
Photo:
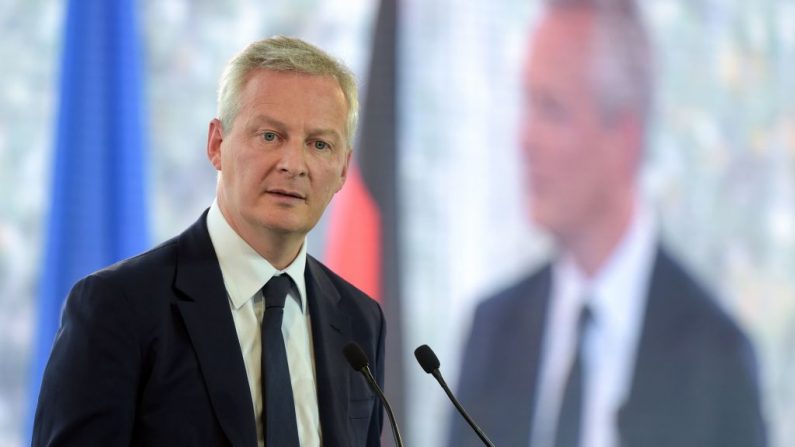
(260, 119)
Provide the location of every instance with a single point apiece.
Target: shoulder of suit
(162, 258)
(696, 304)
(144, 263)
(532, 287)
(133, 288)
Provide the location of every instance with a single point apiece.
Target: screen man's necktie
(567, 433)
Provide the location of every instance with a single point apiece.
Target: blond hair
(282, 53)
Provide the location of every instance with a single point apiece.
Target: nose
(292, 159)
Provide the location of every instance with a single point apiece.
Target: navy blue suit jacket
(694, 383)
(147, 354)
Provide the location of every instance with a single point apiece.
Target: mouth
(286, 193)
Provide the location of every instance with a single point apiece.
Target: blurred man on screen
(613, 343)
(230, 333)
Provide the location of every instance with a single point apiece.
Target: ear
(215, 136)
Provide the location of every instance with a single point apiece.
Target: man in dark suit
(612, 343)
(178, 346)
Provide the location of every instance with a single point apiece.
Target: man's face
(575, 157)
(285, 156)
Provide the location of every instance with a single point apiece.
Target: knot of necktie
(275, 291)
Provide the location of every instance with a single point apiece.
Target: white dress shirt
(245, 272)
(616, 296)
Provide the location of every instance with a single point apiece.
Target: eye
(549, 107)
(320, 145)
(269, 136)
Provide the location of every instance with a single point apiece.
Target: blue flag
(98, 208)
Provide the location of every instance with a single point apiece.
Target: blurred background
(720, 168)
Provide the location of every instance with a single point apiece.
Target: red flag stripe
(354, 244)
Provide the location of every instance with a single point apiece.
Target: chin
(284, 227)
(275, 222)
(542, 217)
(554, 223)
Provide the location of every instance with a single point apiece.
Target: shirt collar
(616, 294)
(243, 269)
(619, 288)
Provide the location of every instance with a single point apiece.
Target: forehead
(561, 44)
(294, 94)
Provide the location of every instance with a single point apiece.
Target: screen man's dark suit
(694, 383)
(148, 355)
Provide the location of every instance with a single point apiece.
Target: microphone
(430, 363)
(358, 361)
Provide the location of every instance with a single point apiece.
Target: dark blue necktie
(278, 418)
(567, 433)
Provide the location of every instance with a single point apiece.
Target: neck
(592, 246)
(279, 249)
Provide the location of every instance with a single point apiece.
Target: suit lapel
(532, 331)
(500, 385)
(648, 415)
(205, 310)
(330, 333)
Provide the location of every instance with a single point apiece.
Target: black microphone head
(427, 358)
(356, 357)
